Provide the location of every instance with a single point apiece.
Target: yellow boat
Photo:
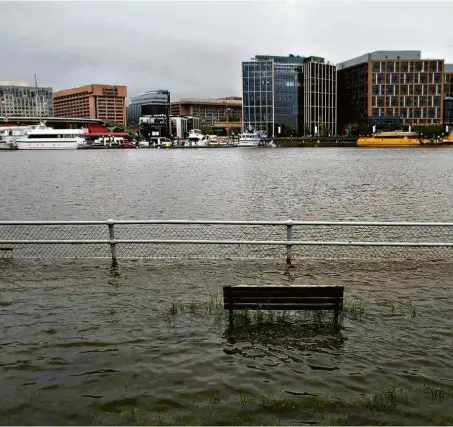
(390, 139)
(448, 139)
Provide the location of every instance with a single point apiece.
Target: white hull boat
(50, 145)
(249, 139)
(45, 138)
(196, 139)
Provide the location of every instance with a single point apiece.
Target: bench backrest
(283, 297)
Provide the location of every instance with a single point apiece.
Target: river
(310, 183)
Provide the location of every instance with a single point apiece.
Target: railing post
(111, 223)
(289, 237)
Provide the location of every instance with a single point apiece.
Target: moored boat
(42, 137)
(196, 138)
(249, 138)
(390, 139)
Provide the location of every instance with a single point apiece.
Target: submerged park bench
(298, 297)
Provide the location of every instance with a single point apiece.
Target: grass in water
(387, 406)
(211, 306)
(353, 309)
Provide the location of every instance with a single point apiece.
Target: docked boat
(196, 138)
(42, 137)
(448, 139)
(9, 135)
(390, 139)
(249, 139)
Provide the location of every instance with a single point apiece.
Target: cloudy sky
(196, 48)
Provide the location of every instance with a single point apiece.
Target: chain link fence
(228, 239)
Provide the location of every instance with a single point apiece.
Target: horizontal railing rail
(216, 239)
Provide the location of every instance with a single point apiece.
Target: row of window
(406, 90)
(430, 113)
(406, 78)
(47, 136)
(406, 101)
(407, 66)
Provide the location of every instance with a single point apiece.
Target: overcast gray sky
(196, 48)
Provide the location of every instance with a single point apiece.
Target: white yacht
(9, 135)
(42, 137)
(196, 139)
(249, 139)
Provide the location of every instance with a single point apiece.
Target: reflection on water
(84, 342)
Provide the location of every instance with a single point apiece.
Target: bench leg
(231, 317)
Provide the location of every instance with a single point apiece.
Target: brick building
(392, 84)
(94, 101)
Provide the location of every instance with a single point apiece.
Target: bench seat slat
(276, 306)
(274, 291)
(256, 299)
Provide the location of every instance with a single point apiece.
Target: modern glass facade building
(291, 95)
(318, 100)
(151, 103)
(18, 99)
(270, 88)
(448, 111)
(448, 89)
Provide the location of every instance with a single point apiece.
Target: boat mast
(37, 100)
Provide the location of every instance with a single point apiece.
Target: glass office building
(151, 103)
(270, 88)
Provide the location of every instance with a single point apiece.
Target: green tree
(207, 130)
(307, 130)
(323, 130)
(289, 131)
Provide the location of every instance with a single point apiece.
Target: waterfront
(89, 344)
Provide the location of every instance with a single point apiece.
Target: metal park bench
(322, 297)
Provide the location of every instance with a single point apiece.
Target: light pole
(227, 122)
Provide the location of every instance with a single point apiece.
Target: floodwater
(85, 343)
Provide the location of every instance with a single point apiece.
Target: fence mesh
(84, 233)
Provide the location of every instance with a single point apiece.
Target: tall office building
(294, 93)
(18, 99)
(385, 86)
(150, 103)
(448, 92)
(92, 102)
(270, 93)
(318, 99)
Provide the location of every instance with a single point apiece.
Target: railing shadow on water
(306, 332)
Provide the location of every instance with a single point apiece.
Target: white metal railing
(172, 238)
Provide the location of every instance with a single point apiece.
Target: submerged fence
(290, 240)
